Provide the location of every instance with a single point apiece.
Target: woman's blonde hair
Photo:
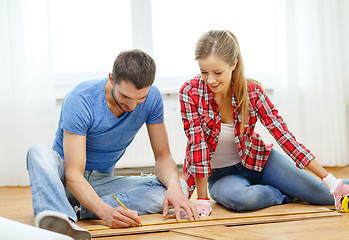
(224, 44)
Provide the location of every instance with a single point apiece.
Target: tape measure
(344, 204)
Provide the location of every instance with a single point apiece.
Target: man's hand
(167, 173)
(179, 201)
(119, 217)
(203, 206)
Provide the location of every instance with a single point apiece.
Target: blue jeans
(145, 194)
(241, 189)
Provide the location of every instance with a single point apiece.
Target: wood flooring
(288, 221)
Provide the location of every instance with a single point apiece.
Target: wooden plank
(16, 204)
(219, 217)
(234, 222)
(220, 212)
(154, 236)
(311, 228)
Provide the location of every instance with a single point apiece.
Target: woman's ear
(234, 64)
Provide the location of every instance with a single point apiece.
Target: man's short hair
(134, 66)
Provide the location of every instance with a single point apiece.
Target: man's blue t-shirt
(85, 112)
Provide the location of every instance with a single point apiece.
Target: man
(98, 120)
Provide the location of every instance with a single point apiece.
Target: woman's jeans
(145, 194)
(241, 189)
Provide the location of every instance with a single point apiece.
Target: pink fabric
(203, 207)
(340, 191)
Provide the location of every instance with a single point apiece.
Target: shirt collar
(208, 94)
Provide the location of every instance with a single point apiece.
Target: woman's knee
(249, 198)
(239, 200)
(237, 205)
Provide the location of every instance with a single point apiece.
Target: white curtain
(27, 101)
(313, 95)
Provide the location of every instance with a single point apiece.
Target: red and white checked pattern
(202, 124)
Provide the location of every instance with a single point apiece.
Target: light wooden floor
(15, 204)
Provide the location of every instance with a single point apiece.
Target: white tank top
(226, 153)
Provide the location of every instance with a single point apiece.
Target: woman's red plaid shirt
(202, 125)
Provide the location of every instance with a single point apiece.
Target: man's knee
(33, 153)
(40, 155)
(153, 200)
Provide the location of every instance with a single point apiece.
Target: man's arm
(75, 160)
(166, 172)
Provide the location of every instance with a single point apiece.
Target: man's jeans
(145, 194)
(241, 189)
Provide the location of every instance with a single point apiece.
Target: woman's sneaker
(61, 223)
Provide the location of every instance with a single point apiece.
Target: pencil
(140, 224)
(122, 205)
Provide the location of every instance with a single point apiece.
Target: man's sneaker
(61, 223)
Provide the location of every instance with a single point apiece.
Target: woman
(220, 108)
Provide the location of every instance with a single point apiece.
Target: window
(86, 36)
(177, 25)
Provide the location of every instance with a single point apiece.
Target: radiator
(140, 154)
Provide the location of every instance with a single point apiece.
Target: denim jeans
(281, 181)
(144, 194)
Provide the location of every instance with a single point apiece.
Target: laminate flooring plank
(222, 213)
(309, 229)
(16, 204)
(289, 213)
(154, 236)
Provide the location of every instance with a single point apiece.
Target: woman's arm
(197, 154)
(203, 202)
(337, 188)
(270, 118)
(316, 168)
(302, 156)
(201, 187)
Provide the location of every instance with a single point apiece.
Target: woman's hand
(203, 206)
(340, 191)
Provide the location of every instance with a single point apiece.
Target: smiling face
(127, 96)
(216, 73)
